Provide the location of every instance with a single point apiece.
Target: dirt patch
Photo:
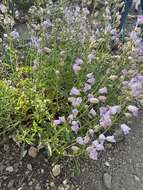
(120, 163)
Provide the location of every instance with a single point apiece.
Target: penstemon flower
(125, 129)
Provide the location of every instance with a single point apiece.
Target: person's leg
(128, 4)
(142, 6)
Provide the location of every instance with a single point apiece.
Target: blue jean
(128, 4)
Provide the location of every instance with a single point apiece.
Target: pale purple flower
(102, 138)
(80, 140)
(114, 110)
(77, 102)
(93, 154)
(46, 24)
(91, 81)
(71, 99)
(95, 143)
(62, 119)
(87, 87)
(105, 121)
(90, 75)
(133, 109)
(57, 122)
(140, 20)
(111, 139)
(100, 147)
(102, 98)
(75, 112)
(125, 129)
(78, 61)
(93, 100)
(92, 112)
(74, 92)
(76, 68)
(103, 110)
(103, 90)
(14, 34)
(70, 118)
(75, 128)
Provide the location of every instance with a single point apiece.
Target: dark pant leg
(128, 4)
(142, 6)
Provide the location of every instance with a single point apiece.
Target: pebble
(33, 152)
(61, 188)
(38, 187)
(56, 170)
(107, 180)
(29, 167)
(107, 164)
(10, 184)
(6, 147)
(137, 179)
(9, 169)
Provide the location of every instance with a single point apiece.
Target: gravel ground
(120, 167)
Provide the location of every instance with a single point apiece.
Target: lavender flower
(133, 109)
(92, 113)
(105, 121)
(102, 138)
(59, 121)
(91, 81)
(111, 139)
(74, 92)
(125, 129)
(76, 68)
(90, 75)
(80, 140)
(75, 126)
(92, 153)
(102, 98)
(114, 110)
(140, 20)
(14, 34)
(87, 87)
(70, 118)
(75, 112)
(78, 61)
(99, 147)
(77, 102)
(103, 90)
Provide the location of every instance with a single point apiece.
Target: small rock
(119, 135)
(42, 171)
(29, 166)
(52, 184)
(65, 182)
(10, 184)
(38, 187)
(56, 170)
(9, 169)
(33, 152)
(6, 147)
(137, 179)
(107, 164)
(61, 188)
(107, 180)
(30, 183)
